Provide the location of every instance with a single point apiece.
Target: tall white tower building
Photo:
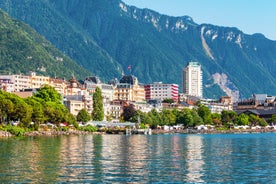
(192, 79)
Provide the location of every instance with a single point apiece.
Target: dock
(139, 131)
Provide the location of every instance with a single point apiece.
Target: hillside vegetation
(23, 50)
(107, 36)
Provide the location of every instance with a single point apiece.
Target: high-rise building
(192, 79)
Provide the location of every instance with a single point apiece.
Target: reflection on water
(139, 159)
(194, 159)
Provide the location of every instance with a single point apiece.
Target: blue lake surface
(177, 158)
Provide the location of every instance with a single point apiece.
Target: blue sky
(250, 16)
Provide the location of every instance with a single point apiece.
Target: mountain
(107, 36)
(23, 50)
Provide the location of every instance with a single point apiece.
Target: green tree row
(44, 106)
(200, 115)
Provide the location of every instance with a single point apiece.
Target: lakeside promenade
(154, 132)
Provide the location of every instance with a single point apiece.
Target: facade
(38, 81)
(75, 103)
(74, 87)
(20, 82)
(257, 101)
(60, 85)
(6, 85)
(91, 83)
(128, 89)
(116, 108)
(192, 80)
(160, 91)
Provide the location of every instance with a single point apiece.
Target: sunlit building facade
(192, 79)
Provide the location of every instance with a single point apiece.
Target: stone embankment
(56, 133)
(5, 134)
(154, 131)
(50, 133)
(212, 131)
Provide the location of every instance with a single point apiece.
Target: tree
(55, 113)
(205, 113)
(253, 119)
(228, 117)
(262, 122)
(216, 119)
(48, 93)
(6, 108)
(273, 119)
(128, 112)
(83, 116)
(38, 109)
(98, 112)
(188, 119)
(155, 118)
(242, 119)
(168, 100)
(167, 117)
(197, 119)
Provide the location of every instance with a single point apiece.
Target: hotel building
(128, 89)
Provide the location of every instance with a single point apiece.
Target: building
(160, 91)
(75, 103)
(6, 85)
(217, 106)
(92, 82)
(74, 87)
(192, 79)
(22, 82)
(257, 101)
(128, 89)
(116, 109)
(60, 85)
(37, 81)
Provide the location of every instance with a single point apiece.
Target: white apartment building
(21, 82)
(160, 91)
(192, 79)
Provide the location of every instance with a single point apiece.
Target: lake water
(179, 158)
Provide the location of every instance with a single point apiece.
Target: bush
(222, 128)
(89, 128)
(15, 130)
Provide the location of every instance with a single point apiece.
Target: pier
(139, 131)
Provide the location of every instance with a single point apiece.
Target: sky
(249, 16)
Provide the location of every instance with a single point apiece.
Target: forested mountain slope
(107, 36)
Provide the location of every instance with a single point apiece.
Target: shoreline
(154, 132)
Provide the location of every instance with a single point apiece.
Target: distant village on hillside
(120, 93)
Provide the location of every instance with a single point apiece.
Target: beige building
(60, 85)
(38, 81)
(75, 103)
(74, 87)
(128, 89)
